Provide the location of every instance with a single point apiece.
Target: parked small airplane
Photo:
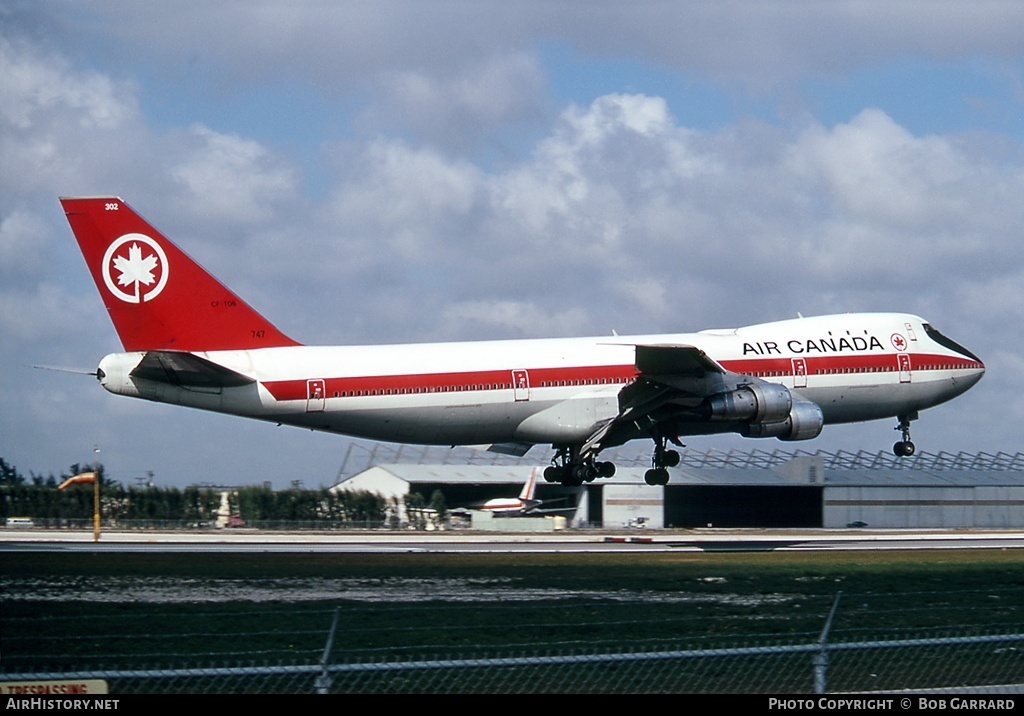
(190, 341)
(523, 504)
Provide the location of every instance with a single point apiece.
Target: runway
(251, 541)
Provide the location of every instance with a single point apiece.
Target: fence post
(820, 659)
(323, 681)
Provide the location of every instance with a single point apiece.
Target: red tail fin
(158, 297)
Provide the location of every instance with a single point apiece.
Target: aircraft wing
(675, 360)
(567, 511)
(672, 379)
(187, 370)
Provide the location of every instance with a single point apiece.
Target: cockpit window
(948, 343)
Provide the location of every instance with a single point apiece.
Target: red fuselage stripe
(412, 384)
(450, 382)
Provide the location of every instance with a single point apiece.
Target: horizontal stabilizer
(517, 449)
(188, 371)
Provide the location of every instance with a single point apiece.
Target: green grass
(605, 599)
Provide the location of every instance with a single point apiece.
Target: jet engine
(754, 402)
(769, 411)
(804, 422)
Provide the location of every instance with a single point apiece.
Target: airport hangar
(746, 489)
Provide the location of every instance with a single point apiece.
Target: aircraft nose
(975, 371)
(972, 366)
(977, 365)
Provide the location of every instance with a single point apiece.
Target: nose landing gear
(905, 448)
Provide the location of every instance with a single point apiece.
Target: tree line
(38, 497)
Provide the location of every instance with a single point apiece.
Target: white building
(748, 489)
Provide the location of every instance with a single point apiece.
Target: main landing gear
(905, 448)
(664, 458)
(570, 468)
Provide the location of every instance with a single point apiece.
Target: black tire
(670, 458)
(656, 476)
(583, 473)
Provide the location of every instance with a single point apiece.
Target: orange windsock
(83, 477)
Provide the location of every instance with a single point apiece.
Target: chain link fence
(792, 666)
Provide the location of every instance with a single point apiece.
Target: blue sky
(506, 170)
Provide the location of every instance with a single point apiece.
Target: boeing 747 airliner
(188, 340)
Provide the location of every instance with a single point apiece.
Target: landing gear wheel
(656, 476)
(670, 458)
(663, 455)
(571, 468)
(571, 480)
(904, 448)
(583, 473)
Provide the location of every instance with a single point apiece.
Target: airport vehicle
(188, 340)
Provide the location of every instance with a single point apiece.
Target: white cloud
(228, 177)
(760, 44)
(927, 204)
(24, 238)
(34, 84)
(874, 168)
(392, 184)
(512, 318)
(457, 111)
(45, 312)
(623, 217)
(596, 161)
(57, 123)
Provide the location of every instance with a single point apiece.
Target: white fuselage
(855, 367)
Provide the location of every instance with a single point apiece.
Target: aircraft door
(799, 373)
(903, 359)
(521, 385)
(316, 395)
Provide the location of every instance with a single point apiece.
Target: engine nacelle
(804, 422)
(755, 403)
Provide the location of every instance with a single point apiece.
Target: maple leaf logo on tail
(135, 269)
(135, 258)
